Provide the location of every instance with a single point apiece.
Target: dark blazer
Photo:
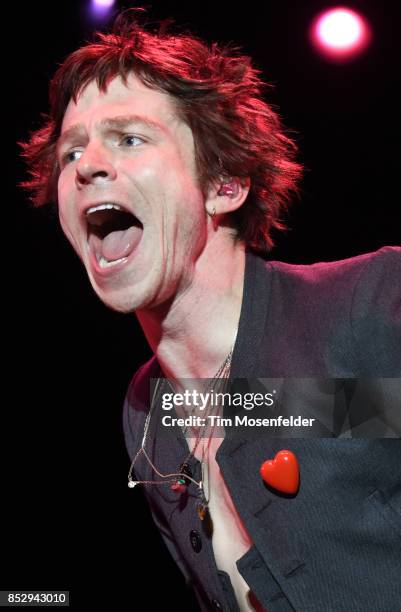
(336, 544)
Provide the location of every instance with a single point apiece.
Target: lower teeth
(103, 263)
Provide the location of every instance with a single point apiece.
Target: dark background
(69, 520)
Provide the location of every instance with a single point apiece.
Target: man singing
(170, 172)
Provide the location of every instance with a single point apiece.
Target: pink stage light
(101, 9)
(102, 4)
(340, 34)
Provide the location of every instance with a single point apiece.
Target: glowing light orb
(102, 4)
(340, 34)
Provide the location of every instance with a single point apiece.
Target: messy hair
(215, 90)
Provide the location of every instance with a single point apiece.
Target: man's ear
(228, 195)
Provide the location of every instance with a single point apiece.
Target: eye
(70, 156)
(128, 140)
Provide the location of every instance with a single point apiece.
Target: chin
(119, 303)
(128, 299)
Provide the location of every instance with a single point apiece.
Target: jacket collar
(255, 305)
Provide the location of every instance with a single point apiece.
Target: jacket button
(196, 541)
(216, 605)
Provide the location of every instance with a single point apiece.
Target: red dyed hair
(215, 90)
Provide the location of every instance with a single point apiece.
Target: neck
(193, 333)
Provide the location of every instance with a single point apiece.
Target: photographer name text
(237, 421)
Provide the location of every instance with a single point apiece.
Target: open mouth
(113, 233)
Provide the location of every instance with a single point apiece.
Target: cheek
(165, 179)
(67, 228)
(62, 195)
(65, 211)
(65, 222)
(65, 199)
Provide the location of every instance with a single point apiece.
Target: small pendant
(202, 506)
(132, 483)
(201, 510)
(185, 469)
(179, 486)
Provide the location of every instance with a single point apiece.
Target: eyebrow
(119, 122)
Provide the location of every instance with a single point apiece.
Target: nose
(94, 167)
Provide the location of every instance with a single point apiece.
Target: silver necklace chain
(222, 372)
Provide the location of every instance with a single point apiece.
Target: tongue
(120, 243)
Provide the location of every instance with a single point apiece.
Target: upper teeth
(103, 207)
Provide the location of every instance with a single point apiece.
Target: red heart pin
(282, 472)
